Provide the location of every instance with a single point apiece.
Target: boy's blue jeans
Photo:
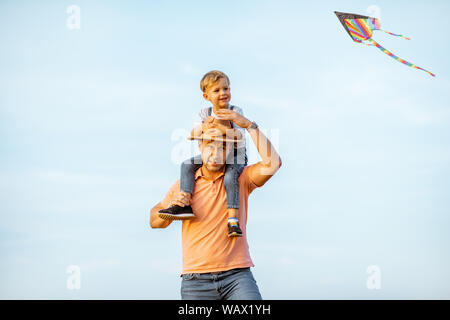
(233, 170)
(235, 284)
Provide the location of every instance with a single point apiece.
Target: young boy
(216, 89)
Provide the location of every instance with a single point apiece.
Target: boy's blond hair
(211, 78)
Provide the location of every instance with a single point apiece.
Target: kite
(360, 29)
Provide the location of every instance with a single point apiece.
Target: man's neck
(211, 175)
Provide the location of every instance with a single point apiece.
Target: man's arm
(155, 221)
(270, 162)
(173, 197)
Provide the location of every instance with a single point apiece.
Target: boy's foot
(176, 212)
(233, 228)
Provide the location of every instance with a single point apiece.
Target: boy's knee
(187, 167)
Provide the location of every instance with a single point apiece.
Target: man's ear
(200, 145)
(205, 95)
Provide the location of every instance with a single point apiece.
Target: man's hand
(181, 199)
(227, 114)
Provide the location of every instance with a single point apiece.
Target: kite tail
(397, 58)
(359, 41)
(397, 35)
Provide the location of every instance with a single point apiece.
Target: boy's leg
(188, 169)
(236, 162)
(241, 156)
(231, 183)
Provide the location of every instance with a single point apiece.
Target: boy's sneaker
(234, 230)
(176, 212)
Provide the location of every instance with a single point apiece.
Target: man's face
(218, 93)
(214, 154)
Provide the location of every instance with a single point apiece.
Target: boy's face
(218, 93)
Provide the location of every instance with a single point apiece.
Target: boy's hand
(181, 199)
(227, 114)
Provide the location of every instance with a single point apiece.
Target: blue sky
(89, 121)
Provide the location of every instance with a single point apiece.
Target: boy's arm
(243, 144)
(197, 131)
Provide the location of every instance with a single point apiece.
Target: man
(215, 266)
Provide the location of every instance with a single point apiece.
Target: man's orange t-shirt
(205, 241)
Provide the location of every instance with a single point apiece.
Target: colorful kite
(360, 29)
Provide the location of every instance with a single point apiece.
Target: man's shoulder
(170, 193)
(246, 181)
(244, 174)
(175, 186)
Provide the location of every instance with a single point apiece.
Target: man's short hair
(212, 77)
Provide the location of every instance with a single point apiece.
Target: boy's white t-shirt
(203, 114)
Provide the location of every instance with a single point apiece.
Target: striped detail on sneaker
(233, 221)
